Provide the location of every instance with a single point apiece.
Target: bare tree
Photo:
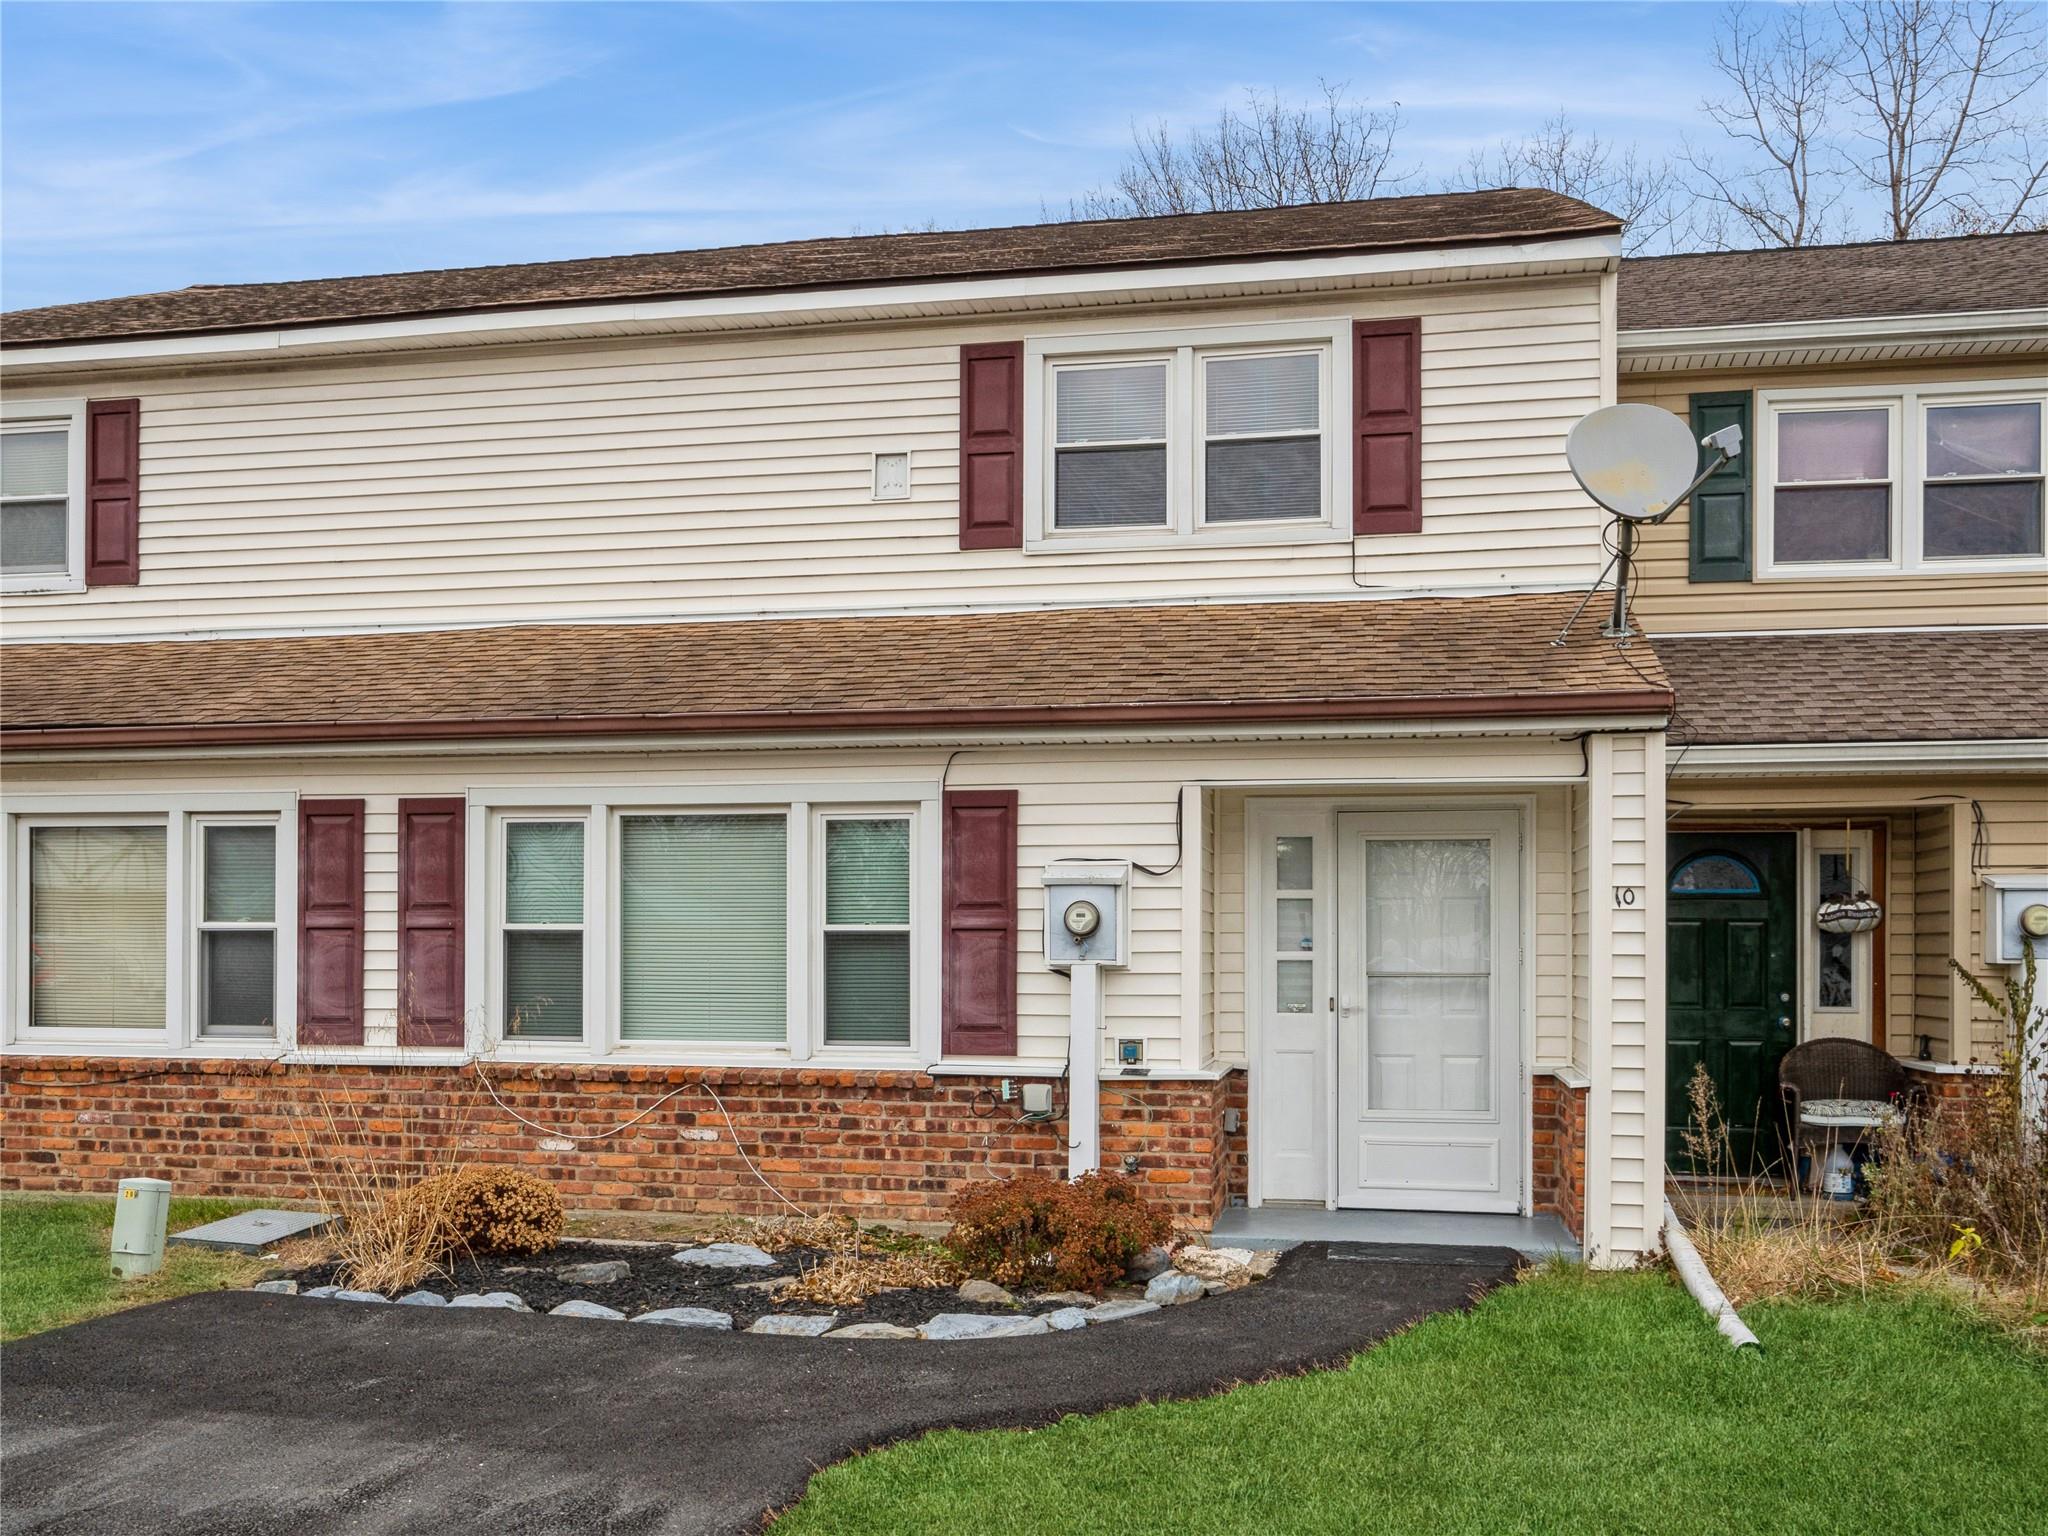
(1949, 101)
(1782, 87)
(1558, 156)
(1268, 154)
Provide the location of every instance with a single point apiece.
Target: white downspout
(1699, 1280)
(1084, 1071)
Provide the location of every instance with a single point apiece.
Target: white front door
(1429, 988)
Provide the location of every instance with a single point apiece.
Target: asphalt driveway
(235, 1413)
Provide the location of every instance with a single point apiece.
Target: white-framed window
(864, 930)
(42, 496)
(541, 871)
(1921, 479)
(706, 924)
(1836, 968)
(1221, 434)
(234, 903)
(145, 921)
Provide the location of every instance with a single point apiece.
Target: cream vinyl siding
(674, 477)
(1667, 602)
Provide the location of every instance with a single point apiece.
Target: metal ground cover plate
(252, 1231)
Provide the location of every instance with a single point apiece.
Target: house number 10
(1628, 895)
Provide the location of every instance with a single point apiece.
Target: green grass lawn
(1570, 1403)
(54, 1267)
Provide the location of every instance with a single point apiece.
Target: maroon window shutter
(1386, 410)
(992, 445)
(980, 1015)
(330, 922)
(431, 876)
(113, 474)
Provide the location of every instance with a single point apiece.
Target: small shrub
(485, 1210)
(848, 1279)
(1044, 1231)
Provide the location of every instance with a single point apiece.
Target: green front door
(1729, 984)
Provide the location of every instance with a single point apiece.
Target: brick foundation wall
(879, 1145)
(1558, 1153)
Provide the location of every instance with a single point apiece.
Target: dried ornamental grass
(844, 1280)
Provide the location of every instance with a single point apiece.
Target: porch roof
(1417, 658)
(1950, 685)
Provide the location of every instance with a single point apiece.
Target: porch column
(1623, 913)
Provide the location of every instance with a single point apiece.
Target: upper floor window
(42, 500)
(1947, 477)
(1221, 434)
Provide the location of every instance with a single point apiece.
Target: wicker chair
(1826, 1072)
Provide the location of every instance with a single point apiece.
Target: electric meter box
(1087, 912)
(142, 1209)
(2015, 914)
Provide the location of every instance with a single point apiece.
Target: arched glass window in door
(1715, 874)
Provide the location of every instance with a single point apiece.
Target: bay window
(1922, 479)
(1211, 434)
(623, 923)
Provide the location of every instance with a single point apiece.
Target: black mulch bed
(658, 1281)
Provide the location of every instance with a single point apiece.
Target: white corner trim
(1564, 1072)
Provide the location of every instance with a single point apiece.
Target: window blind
(1111, 405)
(867, 871)
(703, 915)
(241, 875)
(33, 463)
(1259, 396)
(544, 872)
(1252, 472)
(237, 981)
(96, 927)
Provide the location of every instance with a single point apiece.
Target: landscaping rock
(1149, 1262)
(986, 1293)
(1263, 1263)
(323, 1291)
(423, 1299)
(726, 1256)
(604, 1272)
(358, 1296)
(688, 1317)
(1116, 1311)
(1222, 1268)
(277, 1287)
(872, 1331)
(795, 1327)
(1173, 1288)
(976, 1325)
(1065, 1298)
(581, 1308)
(1067, 1319)
(503, 1299)
(762, 1285)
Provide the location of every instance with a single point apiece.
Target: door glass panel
(1429, 974)
(1296, 861)
(1294, 986)
(1836, 976)
(1295, 923)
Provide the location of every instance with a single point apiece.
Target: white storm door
(1428, 1107)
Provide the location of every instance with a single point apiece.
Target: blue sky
(146, 147)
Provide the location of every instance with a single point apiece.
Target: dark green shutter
(1721, 525)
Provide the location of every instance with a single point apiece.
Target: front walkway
(234, 1412)
(1282, 1226)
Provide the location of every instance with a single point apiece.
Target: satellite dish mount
(1639, 462)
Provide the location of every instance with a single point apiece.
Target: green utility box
(142, 1209)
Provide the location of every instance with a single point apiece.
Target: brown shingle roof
(1332, 661)
(1833, 282)
(1451, 218)
(1958, 685)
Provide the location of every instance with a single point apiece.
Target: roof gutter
(1251, 712)
(1644, 348)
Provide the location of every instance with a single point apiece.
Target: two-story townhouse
(663, 687)
(1854, 617)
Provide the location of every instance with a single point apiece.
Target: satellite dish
(1637, 461)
